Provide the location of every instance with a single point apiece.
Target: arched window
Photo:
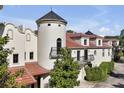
(10, 34)
(59, 45)
(28, 37)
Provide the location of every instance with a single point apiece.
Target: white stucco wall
(30, 45)
(98, 57)
(20, 45)
(47, 36)
(17, 44)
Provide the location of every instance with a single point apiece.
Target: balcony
(54, 53)
(83, 60)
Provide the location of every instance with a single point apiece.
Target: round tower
(51, 37)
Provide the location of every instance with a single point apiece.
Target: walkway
(116, 80)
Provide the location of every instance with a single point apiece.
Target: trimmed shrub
(107, 66)
(95, 74)
(99, 73)
(120, 54)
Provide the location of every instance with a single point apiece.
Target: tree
(65, 71)
(1, 6)
(7, 79)
(121, 38)
(70, 31)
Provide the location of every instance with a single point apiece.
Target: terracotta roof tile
(70, 43)
(36, 69)
(26, 79)
(76, 35)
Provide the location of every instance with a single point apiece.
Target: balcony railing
(54, 54)
(83, 60)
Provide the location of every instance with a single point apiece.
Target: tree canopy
(70, 31)
(7, 79)
(65, 71)
(1, 6)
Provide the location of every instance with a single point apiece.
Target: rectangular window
(85, 41)
(94, 52)
(99, 42)
(108, 52)
(25, 55)
(15, 58)
(31, 55)
(103, 52)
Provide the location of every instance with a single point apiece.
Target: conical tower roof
(51, 16)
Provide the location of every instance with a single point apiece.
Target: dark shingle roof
(2, 26)
(89, 33)
(51, 16)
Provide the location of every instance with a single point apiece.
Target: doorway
(78, 55)
(85, 54)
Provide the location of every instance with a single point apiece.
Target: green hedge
(108, 66)
(99, 73)
(95, 74)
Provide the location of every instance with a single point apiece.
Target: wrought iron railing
(84, 60)
(54, 53)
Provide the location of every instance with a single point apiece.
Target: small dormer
(99, 42)
(85, 41)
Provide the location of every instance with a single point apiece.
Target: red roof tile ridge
(30, 74)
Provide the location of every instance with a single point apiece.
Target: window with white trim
(99, 42)
(24, 55)
(94, 52)
(28, 37)
(108, 52)
(15, 58)
(103, 52)
(31, 55)
(85, 41)
(10, 34)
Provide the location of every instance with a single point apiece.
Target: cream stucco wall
(30, 45)
(19, 45)
(98, 58)
(16, 44)
(47, 37)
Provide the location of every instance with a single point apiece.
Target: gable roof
(70, 43)
(51, 16)
(92, 35)
(31, 69)
(89, 33)
(26, 78)
(35, 69)
(76, 35)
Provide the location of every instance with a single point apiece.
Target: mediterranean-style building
(36, 51)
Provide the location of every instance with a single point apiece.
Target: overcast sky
(102, 20)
